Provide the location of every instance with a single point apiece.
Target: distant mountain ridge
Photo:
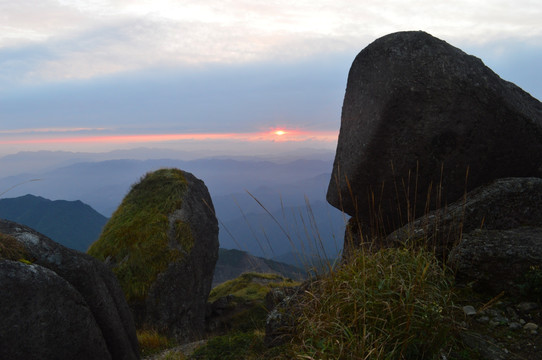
(76, 225)
(232, 263)
(71, 223)
(285, 188)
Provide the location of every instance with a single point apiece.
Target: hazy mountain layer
(70, 223)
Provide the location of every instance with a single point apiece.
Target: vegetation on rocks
(11, 249)
(152, 342)
(135, 239)
(250, 286)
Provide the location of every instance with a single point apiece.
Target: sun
(280, 132)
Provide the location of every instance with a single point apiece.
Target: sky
(241, 76)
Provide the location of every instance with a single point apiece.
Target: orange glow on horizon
(275, 135)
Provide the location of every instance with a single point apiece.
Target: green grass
(233, 346)
(392, 304)
(151, 342)
(250, 286)
(136, 240)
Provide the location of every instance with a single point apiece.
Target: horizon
(223, 78)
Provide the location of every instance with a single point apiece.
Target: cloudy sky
(98, 75)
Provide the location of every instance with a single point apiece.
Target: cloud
(59, 40)
(218, 98)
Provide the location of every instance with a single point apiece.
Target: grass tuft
(392, 304)
(151, 342)
(11, 249)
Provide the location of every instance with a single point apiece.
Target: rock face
(492, 237)
(502, 205)
(162, 243)
(497, 260)
(417, 114)
(58, 303)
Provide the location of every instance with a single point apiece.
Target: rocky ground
(178, 352)
(500, 328)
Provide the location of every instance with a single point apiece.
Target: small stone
(514, 326)
(522, 322)
(483, 319)
(469, 310)
(492, 312)
(530, 326)
(527, 306)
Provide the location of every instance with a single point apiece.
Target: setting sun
(280, 132)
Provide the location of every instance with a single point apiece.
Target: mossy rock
(136, 237)
(162, 244)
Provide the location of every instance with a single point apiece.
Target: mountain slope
(232, 263)
(70, 223)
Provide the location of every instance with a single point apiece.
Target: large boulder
(502, 205)
(423, 123)
(58, 303)
(492, 238)
(498, 260)
(162, 243)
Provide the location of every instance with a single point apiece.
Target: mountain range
(248, 193)
(71, 223)
(76, 225)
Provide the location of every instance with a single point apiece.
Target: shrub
(393, 304)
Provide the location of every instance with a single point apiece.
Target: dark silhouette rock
(418, 114)
(162, 243)
(284, 307)
(491, 238)
(99, 292)
(44, 317)
(502, 205)
(497, 260)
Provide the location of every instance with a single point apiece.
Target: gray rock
(514, 326)
(530, 326)
(484, 345)
(497, 260)
(469, 310)
(175, 253)
(417, 114)
(178, 298)
(283, 304)
(527, 306)
(92, 280)
(42, 316)
(501, 205)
